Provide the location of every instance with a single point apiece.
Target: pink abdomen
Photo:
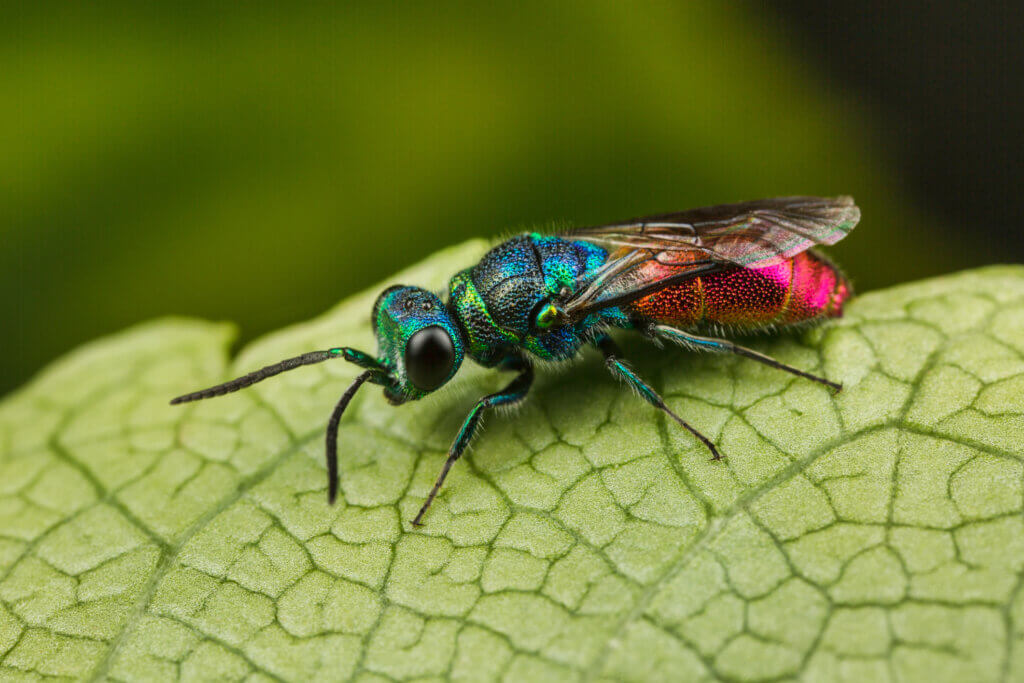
(805, 287)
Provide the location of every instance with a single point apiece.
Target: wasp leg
(515, 391)
(726, 346)
(620, 370)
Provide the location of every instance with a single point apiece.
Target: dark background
(258, 163)
(945, 84)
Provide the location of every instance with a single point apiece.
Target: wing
(651, 253)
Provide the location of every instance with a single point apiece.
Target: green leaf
(873, 535)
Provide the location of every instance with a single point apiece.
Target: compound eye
(429, 358)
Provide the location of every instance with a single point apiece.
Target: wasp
(690, 278)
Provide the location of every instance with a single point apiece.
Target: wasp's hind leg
(515, 391)
(726, 346)
(612, 359)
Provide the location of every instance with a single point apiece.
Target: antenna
(332, 435)
(261, 374)
(351, 355)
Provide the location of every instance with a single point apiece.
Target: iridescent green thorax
(502, 301)
(399, 313)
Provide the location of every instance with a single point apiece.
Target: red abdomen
(805, 287)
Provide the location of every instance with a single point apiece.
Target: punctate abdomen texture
(805, 287)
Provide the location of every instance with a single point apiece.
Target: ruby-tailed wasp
(690, 277)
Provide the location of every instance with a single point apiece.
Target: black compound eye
(429, 358)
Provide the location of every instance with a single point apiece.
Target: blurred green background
(259, 162)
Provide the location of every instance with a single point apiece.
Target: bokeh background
(257, 162)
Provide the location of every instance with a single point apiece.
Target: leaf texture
(873, 535)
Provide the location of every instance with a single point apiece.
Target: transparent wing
(650, 253)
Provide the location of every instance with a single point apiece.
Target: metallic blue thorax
(496, 299)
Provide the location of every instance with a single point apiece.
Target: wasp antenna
(332, 435)
(262, 374)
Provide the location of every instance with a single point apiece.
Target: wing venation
(664, 249)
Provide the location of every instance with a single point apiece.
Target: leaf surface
(874, 535)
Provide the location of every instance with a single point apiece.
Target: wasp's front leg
(515, 391)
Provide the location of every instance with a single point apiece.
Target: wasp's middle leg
(612, 359)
